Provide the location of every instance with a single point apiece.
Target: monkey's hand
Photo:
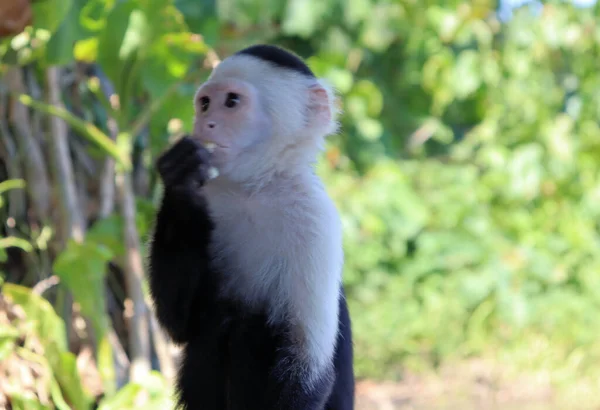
(185, 165)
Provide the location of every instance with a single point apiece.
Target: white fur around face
(281, 249)
(288, 99)
(278, 237)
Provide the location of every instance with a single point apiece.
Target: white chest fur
(281, 250)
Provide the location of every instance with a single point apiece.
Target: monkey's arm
(180, 277)
(181, 281)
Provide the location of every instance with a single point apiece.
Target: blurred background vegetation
(467, 173)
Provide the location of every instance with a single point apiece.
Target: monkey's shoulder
(269, 246)
(304, 216)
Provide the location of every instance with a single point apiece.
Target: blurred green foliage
(466, 171)
(38, 336)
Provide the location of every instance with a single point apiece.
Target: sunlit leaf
(466, 74)
(88, 289)
(151, 392)
(49, 14)
(302, 16)
(59, 49)
(113, 49)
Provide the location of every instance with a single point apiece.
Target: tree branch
(135, 306)
(162, 344)
(73, 221)
(136, 311)
(8, 151)
(38, 186)
(107, 179)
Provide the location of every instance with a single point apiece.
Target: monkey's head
(264, 110)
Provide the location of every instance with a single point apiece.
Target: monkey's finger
(168, 167)
(184, 169)
(183, 147)
(177, 174)
(203, 154)
(179, 153)
(173, 172)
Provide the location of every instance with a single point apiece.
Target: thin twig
(161, 344)
(107, 187)
(81, 157)
(45, 284)
(36, 92)
(121, 360)
(141, 178)
(8, 151)
(84, 128)
(136, 311)
(135, 306)
(107, 179)
(38, 186)
(73, 220)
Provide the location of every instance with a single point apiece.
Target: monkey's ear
(320, 105)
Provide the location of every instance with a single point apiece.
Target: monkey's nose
(211, 124)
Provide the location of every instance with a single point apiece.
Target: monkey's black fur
(232, 360)
(279, 57)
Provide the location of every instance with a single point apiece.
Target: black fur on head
(279, 57)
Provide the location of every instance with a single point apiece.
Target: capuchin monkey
(246, 257)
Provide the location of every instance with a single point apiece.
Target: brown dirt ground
(474, 385)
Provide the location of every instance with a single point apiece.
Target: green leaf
(169, 60)
(59, 50)
(372, 95)
(40, 313)
(86, 50)
(123, 400)
(68, 377)
(355, 11)
(11, 184)
(51, 330)
(467, 78)
(118, 43)
(302, 16)
(93, 15)
(13, 241)
(108, 232)
(49, 14)
(155, 390)
(81, 267)
(197, 14)
(20, 402)
(381, 26)
(177, 105)
(8, 338)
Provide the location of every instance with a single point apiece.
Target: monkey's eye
(204, 103)
(232, 100)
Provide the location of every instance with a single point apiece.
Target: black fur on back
(279, 57)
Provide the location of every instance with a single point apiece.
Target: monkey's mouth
(211, 145)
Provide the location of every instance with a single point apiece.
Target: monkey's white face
(228, 113)
(261, 118)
